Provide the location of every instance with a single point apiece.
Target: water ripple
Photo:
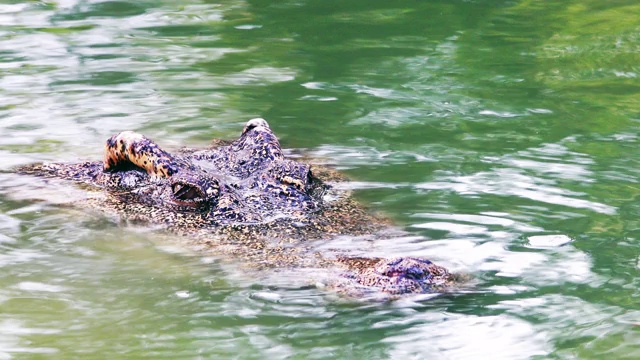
(536, 174)
(509, 182)
(597, 324)
(470, 337)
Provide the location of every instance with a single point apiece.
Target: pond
(502, 136)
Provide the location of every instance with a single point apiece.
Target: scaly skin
(395, 276)
(244, 198)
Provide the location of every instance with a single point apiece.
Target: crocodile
(245, 198)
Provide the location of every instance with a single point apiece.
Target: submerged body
(246, 199)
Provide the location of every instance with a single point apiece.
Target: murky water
(503, 135)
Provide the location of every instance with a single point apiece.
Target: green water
(502, 135)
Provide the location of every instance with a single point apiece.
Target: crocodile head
(244, 181)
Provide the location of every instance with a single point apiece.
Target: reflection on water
(501, 137)
(469, 337)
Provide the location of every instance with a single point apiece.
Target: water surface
(502, 135)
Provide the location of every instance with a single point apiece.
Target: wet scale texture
(244, 198)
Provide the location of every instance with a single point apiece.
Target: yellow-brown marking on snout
(134, 148)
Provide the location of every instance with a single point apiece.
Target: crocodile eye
(187, 193)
